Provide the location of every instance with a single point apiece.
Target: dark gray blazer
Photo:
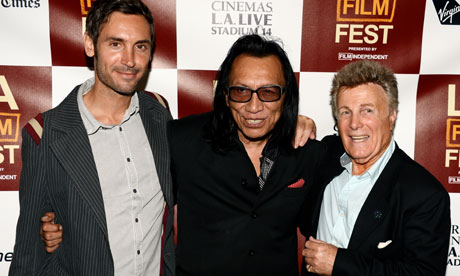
(59, 174)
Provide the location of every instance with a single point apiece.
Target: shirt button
(244, 182)
(342, 214)
(134, 191)
(254, 215)
(138, 252)
(137, 220)
(251, 252)
(121, 129)
(128, 159)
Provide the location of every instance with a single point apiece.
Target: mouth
(127, 73)
(359, 138)
(254, 121)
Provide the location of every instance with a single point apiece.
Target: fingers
(51, 249)
(52, 243)
(48, 217)
(313, 132)
(52, 235)
(305, 130)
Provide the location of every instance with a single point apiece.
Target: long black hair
(221, 130)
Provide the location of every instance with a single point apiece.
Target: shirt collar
(91, 124)
(375, 170)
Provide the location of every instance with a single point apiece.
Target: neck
(106, 105)
(254, 150)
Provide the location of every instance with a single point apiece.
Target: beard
(121, 87)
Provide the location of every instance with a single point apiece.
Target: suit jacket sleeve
(30, 256)
(424, 244)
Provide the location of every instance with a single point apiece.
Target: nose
(128, 57)
(355, 121)
(254, 105)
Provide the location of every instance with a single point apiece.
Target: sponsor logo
(448, 11)
(85, 6)
(241, 18)
(454, 250)
(454, 180)
(20, 3)
(452, 131)
(9, 129)
(351, 56)
(364, 22)
(366, 10)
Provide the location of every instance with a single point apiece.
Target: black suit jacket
(59, 174)
(225, 226)
(406, 206)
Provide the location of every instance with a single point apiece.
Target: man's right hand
(51, 233)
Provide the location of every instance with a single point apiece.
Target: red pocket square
(298, 184)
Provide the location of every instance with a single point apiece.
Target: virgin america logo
(447, 11)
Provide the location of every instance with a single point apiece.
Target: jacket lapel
(374, 209)
(155, 128)
(283, 166)
(74, 153)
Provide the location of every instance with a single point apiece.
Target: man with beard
(239, 182)
(100, 161)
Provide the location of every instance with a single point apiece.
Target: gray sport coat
(59, 174)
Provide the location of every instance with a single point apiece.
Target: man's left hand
(306, 129)
(319, 256)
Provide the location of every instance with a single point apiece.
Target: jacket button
(251, 252)
(244, 182)
(254, 215)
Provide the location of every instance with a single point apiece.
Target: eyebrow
(113, 38)
(361, 106)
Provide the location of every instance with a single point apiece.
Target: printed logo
(20, 3)
(21, 98)
(335, 32)
(364, 11)
(241, 18)
(448, 11)
(9, 130)
(454, 250)
(352, 56)
(85, 7)
(439, 128)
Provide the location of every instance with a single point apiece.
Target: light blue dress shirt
(345, 196)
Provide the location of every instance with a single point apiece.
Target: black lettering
(7, 257)
(6, 3)
(455, 240)
(452, 252)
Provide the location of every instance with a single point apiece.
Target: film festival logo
(452, 135)
(448, 11)
(9, 130)
(20, 3)
(241, 18)
(364, 23)
(85, 6)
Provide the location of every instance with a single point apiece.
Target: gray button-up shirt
(133, 200)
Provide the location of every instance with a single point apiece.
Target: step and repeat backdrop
(42, 59)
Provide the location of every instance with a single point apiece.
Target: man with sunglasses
(240, 184)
